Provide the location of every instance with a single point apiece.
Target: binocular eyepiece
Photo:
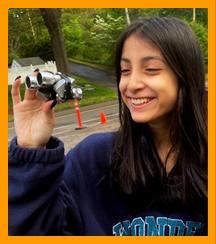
(54, 86)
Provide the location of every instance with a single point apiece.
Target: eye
(152, 69)
(125, 71)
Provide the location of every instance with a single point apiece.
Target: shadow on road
(99, 76)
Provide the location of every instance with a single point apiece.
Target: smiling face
(147, 85)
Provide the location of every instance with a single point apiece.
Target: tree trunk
(51, 18)
(31, 25)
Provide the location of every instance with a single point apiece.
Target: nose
(136, 81)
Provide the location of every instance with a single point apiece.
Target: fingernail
(53, 104)
(36, 70)
(18, 77)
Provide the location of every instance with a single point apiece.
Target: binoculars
(54, 86)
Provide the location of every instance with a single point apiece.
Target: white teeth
(139, 101)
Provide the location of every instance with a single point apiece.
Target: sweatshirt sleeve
(40, 202)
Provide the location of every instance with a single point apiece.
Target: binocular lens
(53, 86)
(31, 82)
(39, 79)
(28, 82)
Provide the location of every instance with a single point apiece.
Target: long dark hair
(136, 165)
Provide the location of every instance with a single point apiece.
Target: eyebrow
(144, 59)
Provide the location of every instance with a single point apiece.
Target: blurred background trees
(89, 34)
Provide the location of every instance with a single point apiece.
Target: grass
(92, 94)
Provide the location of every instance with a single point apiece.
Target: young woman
(148, 178)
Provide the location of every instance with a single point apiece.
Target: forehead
(136, 46)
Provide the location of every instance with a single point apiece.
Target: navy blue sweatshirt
(53, 194)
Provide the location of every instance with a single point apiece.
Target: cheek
(169, 86)
(170, 93)
(174, 90)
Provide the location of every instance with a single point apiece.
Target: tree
(202, 36)
(28, 35)
(51, 18)
(104, 34)
(89, 34)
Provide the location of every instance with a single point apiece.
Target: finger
(47, 106)
(36, 70)
(30, 94)
(54, 103)
(15, 90)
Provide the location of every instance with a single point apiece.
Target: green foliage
(42, 48)
(74, 37)
(90, 34)
(28, 35)
(137, 13)
(12, 54)
(104, 34)
(186, 14)
(202, 36)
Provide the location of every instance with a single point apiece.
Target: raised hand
(33, 117)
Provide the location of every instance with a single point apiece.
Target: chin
(140, 119)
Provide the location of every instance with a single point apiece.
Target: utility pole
(127, 16)
(194, 14)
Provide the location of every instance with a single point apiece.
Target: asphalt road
(102, 77)
(66, 123)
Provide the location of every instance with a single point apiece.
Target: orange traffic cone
(102, 118)
(78, 114)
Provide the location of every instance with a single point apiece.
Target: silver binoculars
(53, 86)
